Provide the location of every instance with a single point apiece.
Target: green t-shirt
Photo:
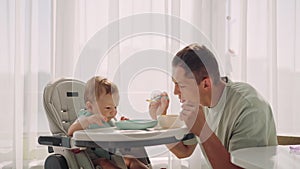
(242, 118)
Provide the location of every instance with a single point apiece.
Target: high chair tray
(130, 138)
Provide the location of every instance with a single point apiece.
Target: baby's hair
(96, 86)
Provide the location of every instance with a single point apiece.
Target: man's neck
(217, 93)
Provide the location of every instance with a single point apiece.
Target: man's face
(185, 86)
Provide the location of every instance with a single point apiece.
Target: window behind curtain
(25, 46)
(263, 47)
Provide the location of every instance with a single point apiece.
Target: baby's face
(107, 105)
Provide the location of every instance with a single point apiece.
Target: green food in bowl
(135, 124)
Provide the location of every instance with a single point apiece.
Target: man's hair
(198, 60)
(97, 86)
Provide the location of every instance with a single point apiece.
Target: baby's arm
(84, 122)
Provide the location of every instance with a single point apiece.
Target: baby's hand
(124, 118)
(97, 119)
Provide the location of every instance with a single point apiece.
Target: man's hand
(160, 106)
(193, 116)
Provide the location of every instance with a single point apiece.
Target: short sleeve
(83, 113)
(253, 129)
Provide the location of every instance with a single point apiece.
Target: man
(223, 115)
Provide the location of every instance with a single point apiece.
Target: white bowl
(169, 121)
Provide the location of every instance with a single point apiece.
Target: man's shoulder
(238, 85)
(244, 94)
(241, 89)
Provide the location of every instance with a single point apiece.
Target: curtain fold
(288, 65)
(263, 40)
(272, 51)
(24, 54)
(18, 82)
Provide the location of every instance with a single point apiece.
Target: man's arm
(181, 150)
(215, 151)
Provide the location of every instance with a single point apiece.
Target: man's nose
(176, 90)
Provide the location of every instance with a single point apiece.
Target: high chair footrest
(55, 141)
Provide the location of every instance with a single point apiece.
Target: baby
(101, 100)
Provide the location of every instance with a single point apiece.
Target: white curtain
(256, 41)
(263, 47)
(25, 45)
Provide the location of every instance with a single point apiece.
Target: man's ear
(89, 106)
(206, 83)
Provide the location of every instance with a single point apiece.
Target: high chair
(62, 99)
